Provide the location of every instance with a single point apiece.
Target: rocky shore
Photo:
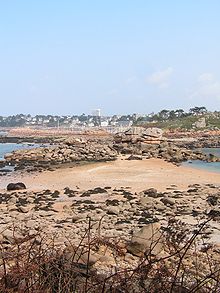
(145, 144)
(28, 139)
(119, 214)
(139, 143)
(193, 140)
(70, 151)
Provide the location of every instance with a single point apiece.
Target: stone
(168, 201)
(16, 186)
(153, 132)
(23, 209)
(147, 240)
(76, 217)
(113, 210)
(12, 200)
(107, 259)
(11, 236)
(151, 192)
(72, 254)
(134, 157)
(200, 123)
(147, 201)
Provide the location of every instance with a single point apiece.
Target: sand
(138, 175)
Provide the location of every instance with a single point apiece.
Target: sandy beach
(136, 174)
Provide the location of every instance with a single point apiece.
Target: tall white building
(96, 113)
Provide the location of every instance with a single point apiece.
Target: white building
(96, 113)
(104, 123)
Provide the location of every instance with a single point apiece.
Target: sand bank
(138, 175)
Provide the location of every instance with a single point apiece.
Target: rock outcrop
(72, 150)
(140, 134)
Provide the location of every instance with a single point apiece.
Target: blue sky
(123, 56)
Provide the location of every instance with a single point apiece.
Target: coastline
(138, 175)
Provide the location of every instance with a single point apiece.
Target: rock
(212, 200)
(114, 202)
(200, 123)
(130, 258)
(215, 213)
(107, 259)
(77, 255)
(72, 151)
(12, 200)
(153, 132)
(31, 224)
(16, 186)
(96, 190)
(168, 201)
(74, 141)
(11, 236)
(23, 209)
(113, 210)
(147, 201)
(134, 157)
(76, 218)
(1, 238)
(147, 240)
(151, 192)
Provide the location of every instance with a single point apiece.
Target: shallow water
(213, 151)
(212, 167)
(6, 148)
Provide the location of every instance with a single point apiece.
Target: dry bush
(35, 265)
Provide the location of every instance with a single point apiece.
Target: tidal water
(6, 148)
(212, 167)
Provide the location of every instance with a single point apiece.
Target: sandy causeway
(136, 174)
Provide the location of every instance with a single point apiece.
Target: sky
(122, 56)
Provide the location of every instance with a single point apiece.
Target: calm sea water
(3, 133)
(6, 148)
(212, 167)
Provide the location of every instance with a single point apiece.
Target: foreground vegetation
(34, 264)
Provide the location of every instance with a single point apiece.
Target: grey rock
(147, 240)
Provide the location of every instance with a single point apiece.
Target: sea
(6, 148)
(212, 167)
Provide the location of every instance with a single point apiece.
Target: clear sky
(123, 56)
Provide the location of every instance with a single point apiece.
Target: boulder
(200, 123)
(168, 201)
(74, 141)
(153, 132)
(147, 240)
(134, 157)
(151, 192)
(147, 202)
(16, 186)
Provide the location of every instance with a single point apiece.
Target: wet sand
(138, 175)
